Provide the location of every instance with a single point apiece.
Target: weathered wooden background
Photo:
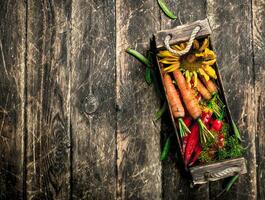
(76, 117)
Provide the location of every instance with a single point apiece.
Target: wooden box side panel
(212, 172)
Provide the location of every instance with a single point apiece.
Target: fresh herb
(225, 129)
(232, 149)
(204, 156)
(165, 150)
(166, 10)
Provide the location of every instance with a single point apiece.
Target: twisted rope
(186, 50)
(224, 173)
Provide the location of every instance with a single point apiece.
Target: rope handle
(226, 172)
(186, 50)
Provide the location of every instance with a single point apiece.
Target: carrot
(193, 141)
(203, 91)
(211, 86)
(189, 99)
(173, 97)
(197, 152)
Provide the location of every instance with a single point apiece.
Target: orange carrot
(173, 97)
(210, 85)
(189, 99)
(203, 91)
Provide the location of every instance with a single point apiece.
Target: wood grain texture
(232, 40)
(258, 10)
(12, 66)
(187, 12)
(93, 99)
(48, 152)
(138, 138)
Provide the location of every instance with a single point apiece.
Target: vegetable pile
(193, 97)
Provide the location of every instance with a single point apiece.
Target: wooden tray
(208, 172)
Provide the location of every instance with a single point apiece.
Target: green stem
(231, 182)
(205, 134)
(183, 128)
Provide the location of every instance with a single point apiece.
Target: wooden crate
(205, 172)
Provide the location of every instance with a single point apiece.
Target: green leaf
(231, 182)
(165, 150)
(161, 111)
(139, 56)
(166, 10)
(236, 131)
(148, 78)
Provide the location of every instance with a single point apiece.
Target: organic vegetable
(187, 121)
(139, 56)
(165, 150)
(197, 152)
(173, 97)
(236, 131)
(192, 104)
(203, 91)
(192, 142)
(231, 182)
(210, 85)
(166, 10)
(187, 95)
(175, 104)
(217, 125)
(148, 78)
(161, 111)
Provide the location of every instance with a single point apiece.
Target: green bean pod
(166, 10)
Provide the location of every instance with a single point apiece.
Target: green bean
(161, 111)
(236, 131)
(139, 56)
(165, 151)
(231, 182)
(166, 10)
(148, 78)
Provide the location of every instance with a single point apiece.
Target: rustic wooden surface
(76, 117)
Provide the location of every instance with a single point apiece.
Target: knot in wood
(91, 104)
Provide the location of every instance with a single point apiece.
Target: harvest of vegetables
(195, 96)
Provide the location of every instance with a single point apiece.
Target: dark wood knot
(91, 104)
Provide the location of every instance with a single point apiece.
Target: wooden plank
(187, 11)
(258, 10)
(232, 40)
(138, 138)
(12, 67)
(48, 152)
(93, 99)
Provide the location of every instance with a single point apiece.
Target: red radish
(217, 125)
(187, 121)
(192, 142)
(206, 117)
(197, 152)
